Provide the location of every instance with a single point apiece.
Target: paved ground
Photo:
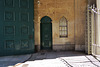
(10, 61)
(60, 59)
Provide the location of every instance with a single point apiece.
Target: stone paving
(60, 59)
(9, 61)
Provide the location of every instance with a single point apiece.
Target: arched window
(63, 27)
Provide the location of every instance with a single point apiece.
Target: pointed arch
(46, 19)
(63, 27)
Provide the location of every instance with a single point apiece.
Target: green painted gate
(46, 33)
(16, 27)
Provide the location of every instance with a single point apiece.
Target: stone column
(98, 28)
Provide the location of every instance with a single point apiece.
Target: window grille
(63, 27)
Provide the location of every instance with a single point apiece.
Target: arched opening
(46, 33)
(63, 27)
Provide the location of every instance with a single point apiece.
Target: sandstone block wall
(74, 11)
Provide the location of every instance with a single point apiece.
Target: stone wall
(80, 20)
(74, 11)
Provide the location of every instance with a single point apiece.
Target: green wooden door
(46, 33)
(16, 27)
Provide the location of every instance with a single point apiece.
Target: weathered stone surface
(61, 59)
(73, 10)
